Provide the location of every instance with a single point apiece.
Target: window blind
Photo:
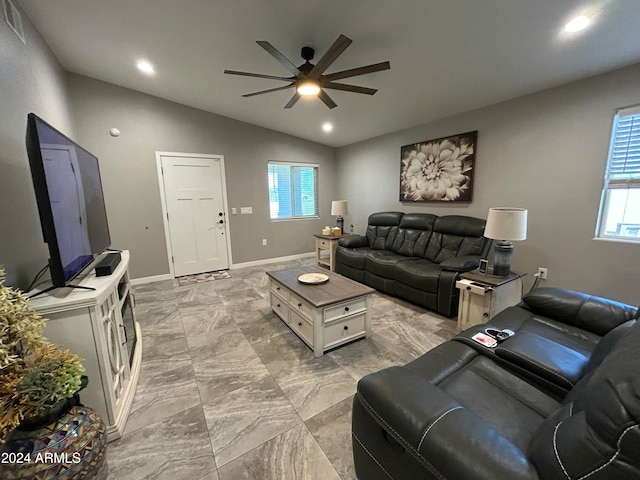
(624, 161)
(293, 190)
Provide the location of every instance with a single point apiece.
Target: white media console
(100, 326)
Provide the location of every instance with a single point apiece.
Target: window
(293, 190)
(620, 204)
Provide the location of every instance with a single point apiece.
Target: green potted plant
(39, 381)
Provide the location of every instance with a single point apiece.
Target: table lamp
(505, 224)
(339, 208)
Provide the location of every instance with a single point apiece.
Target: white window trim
(609, 184)
(298, 164)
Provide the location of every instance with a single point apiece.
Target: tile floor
(228, 392)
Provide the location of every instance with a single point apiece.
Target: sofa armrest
(594, 314)
(353, 241)
(449, 440)
(463, 263)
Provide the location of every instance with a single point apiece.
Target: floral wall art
(438, 170)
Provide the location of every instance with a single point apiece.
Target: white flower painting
(438, 170)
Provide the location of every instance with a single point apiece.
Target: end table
(482, 296)
(327, 243)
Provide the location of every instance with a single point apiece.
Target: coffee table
(323, 315)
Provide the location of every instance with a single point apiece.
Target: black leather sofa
(526, 409)
(415, 256)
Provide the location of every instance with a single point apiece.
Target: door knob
(220, 214)
(221, 221)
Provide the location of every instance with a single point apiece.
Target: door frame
(163, 201)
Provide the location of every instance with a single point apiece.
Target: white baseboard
(266, 261)
(272, 260)
(155, 278)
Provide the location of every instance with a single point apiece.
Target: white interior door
(195, 207)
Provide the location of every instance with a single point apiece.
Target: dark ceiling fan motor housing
(315, 73)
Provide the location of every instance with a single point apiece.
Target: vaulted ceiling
(446, 56)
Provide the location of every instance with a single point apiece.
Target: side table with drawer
(483, 296)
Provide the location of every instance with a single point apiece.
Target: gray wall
(128, 168)
(545, 152)
(31, 80)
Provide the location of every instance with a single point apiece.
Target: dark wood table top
(336, 289)
(489, 279)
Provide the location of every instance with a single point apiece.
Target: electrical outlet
(542, 273)
(264, 242)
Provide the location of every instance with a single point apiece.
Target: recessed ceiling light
(327, 127)
(578, 23)
(145, 67)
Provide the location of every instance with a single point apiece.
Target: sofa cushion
(382, 228)
(413, 234)
(455, 235)
(383, 262)
(352, 257)
(597, 435)
(419, 273)
(587, 312)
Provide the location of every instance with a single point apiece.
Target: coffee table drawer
(279, 289)
(302, 327)
(280, 307)
(341, 331)
(345, 309)
(301, 306)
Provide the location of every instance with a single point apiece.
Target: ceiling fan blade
(327, 99)
(349, 88)
(258, 75)
(354, 72)
(277, 89)
(292, 102)
(339, 46)
(286, 63)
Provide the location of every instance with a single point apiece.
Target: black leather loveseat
(558, 400)
(415, 256)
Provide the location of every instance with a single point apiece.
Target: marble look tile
(210, 476)
(332, 431)
(264, 327)
(246, 418)
(315, 385)
(221, 335)
(282, 352)
(219, 374)
(240, 296)
(176, 448)
(253, 311)
(159, 317)
(364, 357)
(155, 286)
(168, 346)
(199, 294)
(202, 319)
(293, 455)
(408, 340)
(164, 388)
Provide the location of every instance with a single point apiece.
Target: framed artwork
(439, 170)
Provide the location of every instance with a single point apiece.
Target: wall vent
(13, 18)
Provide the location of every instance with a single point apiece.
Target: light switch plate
(246, 210)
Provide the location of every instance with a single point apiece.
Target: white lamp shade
(339, 207)
(506, 223)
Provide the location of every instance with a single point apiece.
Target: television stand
(98, 323)
(53, 288)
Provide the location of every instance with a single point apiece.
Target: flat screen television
(68, 189)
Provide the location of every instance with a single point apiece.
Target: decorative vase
(72, 447)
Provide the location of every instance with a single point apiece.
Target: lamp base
(502, 256)
(340, 223)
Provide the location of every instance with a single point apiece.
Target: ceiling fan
(309, 79)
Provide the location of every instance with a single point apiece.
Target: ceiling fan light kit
(308, 88)
(309, 79)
